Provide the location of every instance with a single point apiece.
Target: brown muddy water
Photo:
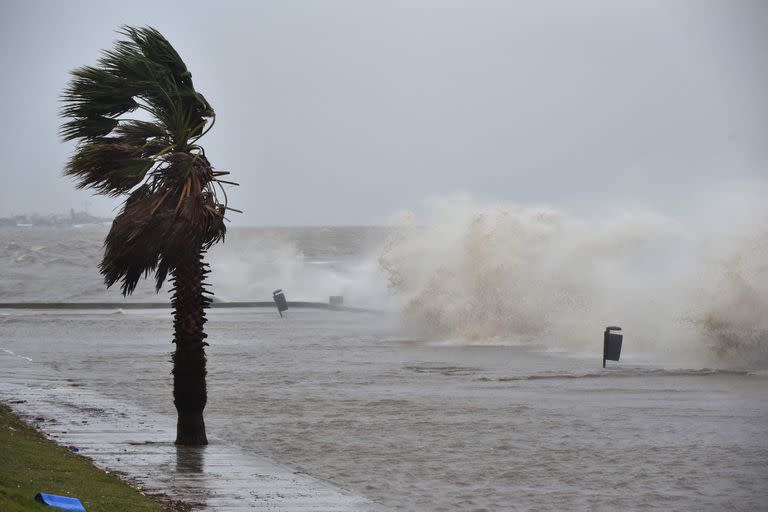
(357, 409)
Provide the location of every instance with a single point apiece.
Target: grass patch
(30, 463)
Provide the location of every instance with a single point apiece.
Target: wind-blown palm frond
(172, 203)
(156, 230)
(142, 73)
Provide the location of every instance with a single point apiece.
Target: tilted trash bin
(280, 301)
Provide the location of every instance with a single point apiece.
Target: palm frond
(148, 236)
(109, 166)
(172, 209)
(141, 72)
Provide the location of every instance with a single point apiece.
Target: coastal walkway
(138, 447)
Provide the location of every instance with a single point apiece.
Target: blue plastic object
(60, 502)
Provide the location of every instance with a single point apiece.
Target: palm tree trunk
(189, 389)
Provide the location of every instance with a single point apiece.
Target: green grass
(30, 463)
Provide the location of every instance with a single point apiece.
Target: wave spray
(509, 274)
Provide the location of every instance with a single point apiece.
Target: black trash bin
(612, 344)
(280, 301)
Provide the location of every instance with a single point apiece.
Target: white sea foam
(307, 263)
(11, 353)
(689, 283)
(684, 284)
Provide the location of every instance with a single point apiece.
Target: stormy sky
(344, 112)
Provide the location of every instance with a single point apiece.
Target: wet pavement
(123, 439)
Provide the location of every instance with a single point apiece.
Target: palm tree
(172, 213)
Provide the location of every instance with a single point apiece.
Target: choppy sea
(376, 405)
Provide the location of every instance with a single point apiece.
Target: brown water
(358, 402)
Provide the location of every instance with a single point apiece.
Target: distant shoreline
(73, 219)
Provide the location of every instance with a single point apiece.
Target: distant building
(52, 220)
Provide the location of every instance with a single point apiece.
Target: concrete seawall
(166, 305)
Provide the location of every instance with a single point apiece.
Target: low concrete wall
(165, 305)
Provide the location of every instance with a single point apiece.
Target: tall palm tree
(172, 213)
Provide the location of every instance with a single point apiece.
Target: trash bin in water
(611, 344)
(280, 301)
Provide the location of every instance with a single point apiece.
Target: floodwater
(357, 401)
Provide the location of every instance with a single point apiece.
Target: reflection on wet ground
(190, 460)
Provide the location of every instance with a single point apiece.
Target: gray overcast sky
(342, 112)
